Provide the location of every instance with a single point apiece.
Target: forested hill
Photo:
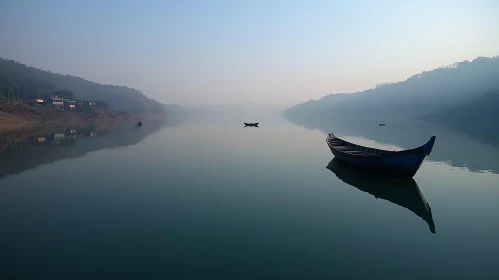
(29, 82)
(421, 94)
(479, 117)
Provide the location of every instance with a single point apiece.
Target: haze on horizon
(229, 52)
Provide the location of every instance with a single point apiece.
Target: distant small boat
(381, 124)
(396, 163)
(139, 123)
(251, 124)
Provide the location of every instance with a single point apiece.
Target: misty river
(215, 200)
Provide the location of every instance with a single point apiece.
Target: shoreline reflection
(43, 144)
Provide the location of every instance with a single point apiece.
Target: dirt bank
(21, 115)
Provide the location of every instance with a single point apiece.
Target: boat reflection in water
(401, 191)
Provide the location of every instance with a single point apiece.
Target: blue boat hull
(403, 163)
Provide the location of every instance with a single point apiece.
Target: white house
(58, 102)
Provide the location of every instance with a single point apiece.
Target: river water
(215, 200)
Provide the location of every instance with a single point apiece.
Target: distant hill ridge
(19, 78)
(421, 94)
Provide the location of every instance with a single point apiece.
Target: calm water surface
(215, 200)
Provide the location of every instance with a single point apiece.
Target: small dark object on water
(139, 124)
(402, 164)
(381, 124)
(251, 124)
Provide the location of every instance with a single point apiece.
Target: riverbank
(25, 113)
(22, 117)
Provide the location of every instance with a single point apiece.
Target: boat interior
(354, 149)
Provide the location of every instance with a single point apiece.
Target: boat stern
(425, 152)
(429, 146)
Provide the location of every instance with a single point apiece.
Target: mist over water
(215, 200)
(188, 139)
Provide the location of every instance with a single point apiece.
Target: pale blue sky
(219, 52)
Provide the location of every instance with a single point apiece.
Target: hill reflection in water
(457, 148)
(42, 144)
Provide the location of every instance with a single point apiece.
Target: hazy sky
(216, 52)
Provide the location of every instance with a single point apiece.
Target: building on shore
(72, 104)
(58, 102)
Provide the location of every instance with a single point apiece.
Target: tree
(64, 94)
(102, 104)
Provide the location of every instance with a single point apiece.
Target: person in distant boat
(251, 124)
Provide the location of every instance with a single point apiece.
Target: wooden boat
(397, 163)
(398, 190)
(251, 124)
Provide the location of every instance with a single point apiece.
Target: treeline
(420, 95)
(21, 81)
